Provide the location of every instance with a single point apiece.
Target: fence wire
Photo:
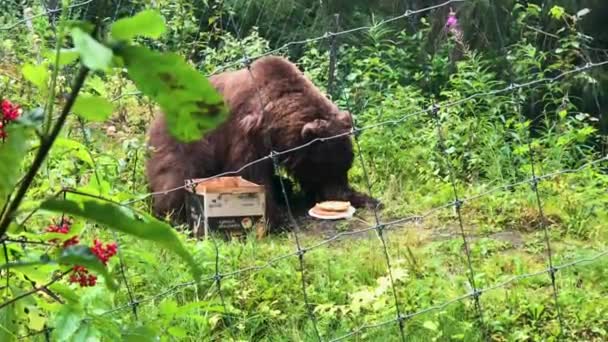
(379, 227)
(447, 104)
(390, 225)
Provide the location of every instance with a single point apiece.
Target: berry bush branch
(45, 147)
(36, 289)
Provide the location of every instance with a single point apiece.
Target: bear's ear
(314, 129)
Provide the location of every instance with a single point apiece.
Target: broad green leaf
(12, 152)
(177, 332)
(93, 108)
(96, 83)
(8, 324)
(66, 322)
(36, 320)
(140, 334)
(93, 54)
(83, 256)
(37, 75)
(168, 308)
(67, 293)
(148, 23)
(191, 105)
(66, 56)
(430, 325)
(86, 332)
(75, 148)
(557, 12)
(124, 220)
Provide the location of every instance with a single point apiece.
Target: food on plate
(330, 208)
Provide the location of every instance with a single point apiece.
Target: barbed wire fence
(380, 227)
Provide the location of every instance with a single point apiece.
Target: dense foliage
(516, 93)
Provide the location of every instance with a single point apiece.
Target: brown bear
(273, 107)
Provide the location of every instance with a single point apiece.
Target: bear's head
(297, 113)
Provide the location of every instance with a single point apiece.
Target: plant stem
(59, 34)
(36, 289)
(45, 147)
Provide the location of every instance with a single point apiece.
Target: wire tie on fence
(552, 270)
(300, 253)
(274, 156)
(458, 204)
(217, 277)
(407, 13)
(246, 62)
(476, 294)
(435, 111)
(134, 304)
(380, 228)
(534, 183)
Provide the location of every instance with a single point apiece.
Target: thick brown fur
(273, 107)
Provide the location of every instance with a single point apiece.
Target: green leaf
(67, 321)
(93, 54)
(125, 220)
(37, 75)
(93, 108)
(86, 332)
(430, 325)
(83, 256)
(140, 334)
(66, 56)
(12, 152)
(177, 332)
(191, 105)
(8, 324)
(96, 83)
(36, 320)
(75, 148)
(148, 23)
(557, 12)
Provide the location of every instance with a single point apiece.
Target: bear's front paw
(359, 200)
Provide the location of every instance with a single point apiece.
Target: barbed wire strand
(406, 14)
(388, 225)
(473, 293)
(51, 11)
(448, 104)
(551, 270)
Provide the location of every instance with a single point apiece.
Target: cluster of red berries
(80, 274)
(10, 113)
(63, 228)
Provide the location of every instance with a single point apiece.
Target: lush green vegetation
(483, 134)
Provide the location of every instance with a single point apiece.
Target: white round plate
(346, 215)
